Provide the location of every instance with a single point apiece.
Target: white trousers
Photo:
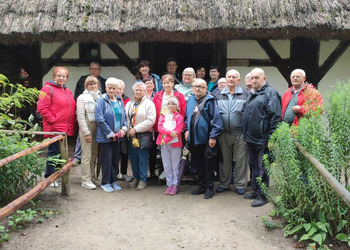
(171, 158)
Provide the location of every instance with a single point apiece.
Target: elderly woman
(160, 101)
(185, 87)
(111, 127)
(124, 145)
(141, 116)
(150, 92)
(144, 72)
(57, 107)
(87, 131)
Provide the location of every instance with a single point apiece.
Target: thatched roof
(171, 20)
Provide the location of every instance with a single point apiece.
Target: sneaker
(133, 183)
(251, 196)
(54, 184)
(221, 189)
(259, 202)
(168, 190)
(173, 191)
(108, 188)
(162, 176)
(209, 193)
(116, 187)
(240, 191)
(142, 185)
(198, 191)
(88, 185)
(96, 181)
(126, 178)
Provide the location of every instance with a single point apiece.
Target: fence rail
(64, 172)
(333, 182)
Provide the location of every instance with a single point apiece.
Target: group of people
(223, 125)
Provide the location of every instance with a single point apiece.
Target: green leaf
(307, 227)
(321, 226)
(341, 224)
(296, 229)
(342, 237)
(317, 238)
(304, 237)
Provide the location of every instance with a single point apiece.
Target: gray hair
(190, 70)
(233, 71)
(121, 83)
(299, 70)
(112, 81)
(136, 84)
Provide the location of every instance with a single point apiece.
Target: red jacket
(58, 110)
(308, 92)
(165, 134)
(158, 98)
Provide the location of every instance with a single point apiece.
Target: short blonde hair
(91, 79)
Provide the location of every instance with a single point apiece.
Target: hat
(211, 153)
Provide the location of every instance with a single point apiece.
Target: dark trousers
(53, 149)
(123, 163)
(109, 155)
(256, 163)
(205, 167)
(152, 156)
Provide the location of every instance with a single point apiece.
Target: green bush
(300, 194)
(20, 175)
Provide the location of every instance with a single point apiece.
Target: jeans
(53, 149)
(109, 156)
(77, 150)
(256, 162)
(139, 162)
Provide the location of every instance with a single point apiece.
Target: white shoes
(162, 176)
(88, 185)
(54, 184)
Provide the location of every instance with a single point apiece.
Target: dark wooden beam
(128, 62)
(247, 62)
(55, 57)
(219, 56)
(86, 63)
(332, 59)
(277, 61)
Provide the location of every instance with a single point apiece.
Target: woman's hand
(88, 138)
(132, 132)
(173, 134)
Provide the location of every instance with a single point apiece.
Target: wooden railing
(64, 172)
(333, 182)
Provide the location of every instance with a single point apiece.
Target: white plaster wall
(131, 49)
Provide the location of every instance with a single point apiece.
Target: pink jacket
(58, 110)
(167, 133)
(158, 98)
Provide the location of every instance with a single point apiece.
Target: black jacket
(79, 88)
(261, 115)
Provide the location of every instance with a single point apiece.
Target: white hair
(121, 83)
(112, 81)
(299, 70)
(136, 84)
(233, 71)
(190, 70)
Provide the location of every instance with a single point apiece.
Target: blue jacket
(106, 120)
(261, 115)
(231, 112)
(203, 132)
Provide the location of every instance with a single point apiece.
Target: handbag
(145, 140)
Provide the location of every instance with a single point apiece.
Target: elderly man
(261, 116)
(185, 87)
(248, 83)
(171, 68)
(231, 101)
(293, 100)
(203, 126)
(95, 70)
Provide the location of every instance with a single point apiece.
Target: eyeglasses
(92, 84)
(198, 87)
(95, 68)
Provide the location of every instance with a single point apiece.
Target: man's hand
(212, 142)
(186, 135)
(295, 109)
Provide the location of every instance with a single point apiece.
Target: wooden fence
(64, 172)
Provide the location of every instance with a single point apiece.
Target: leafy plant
(312, 209)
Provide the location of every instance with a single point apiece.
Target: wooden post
(336, 186)
(66, 177)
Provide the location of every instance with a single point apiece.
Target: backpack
(37, 114)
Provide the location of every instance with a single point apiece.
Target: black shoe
(209, 193)
(251, 196)
(198, 191)
(240, 191)
(259, 202)
(221, 189)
